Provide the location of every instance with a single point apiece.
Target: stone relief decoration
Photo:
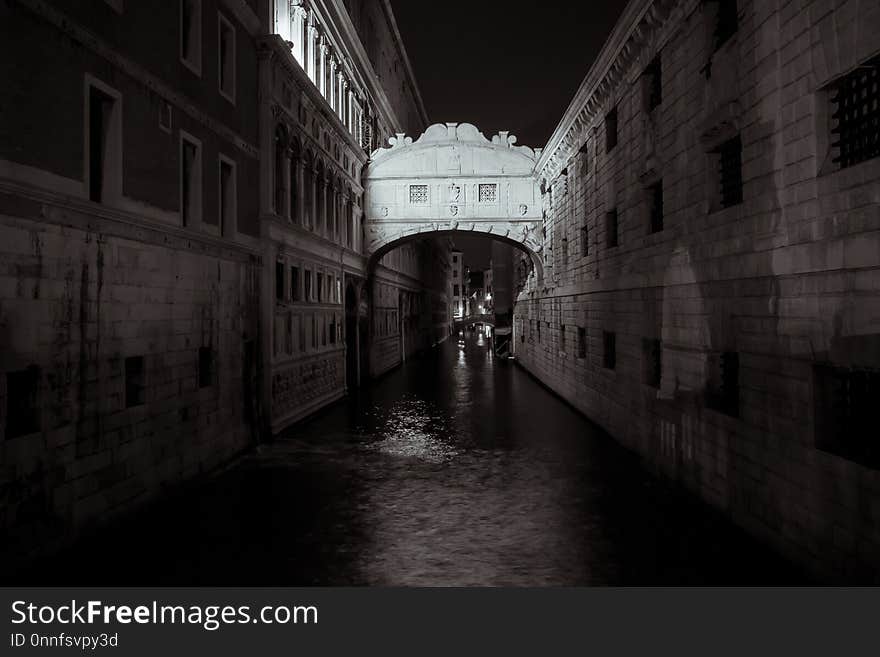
(454, 193)
(453, 209)
(384, 212)
(455, 132)
(523, 209)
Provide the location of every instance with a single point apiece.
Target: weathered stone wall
(788, 280)
(80, 294)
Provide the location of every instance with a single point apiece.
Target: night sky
(503, 64)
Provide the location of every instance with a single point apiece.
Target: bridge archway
(450, 180)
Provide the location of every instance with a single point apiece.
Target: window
(227, 195)
(722, 390)
(609, 354)
(611, 229)
(320, 286)
(611, 130)
(190, 179)
(104, 144)
(307, 294)
(279, 281)
(730, 172)
(22, 402)
(655, 200)
(581, 342)
(585, 241)
(653, 83)
(418, 194)
(455, 291)
(726, 21)
(855, 103)
(488, 193)
(846, 400)
(280, 197)
(134, 381)
(206, 367)
(455, 258)
(652, 356)
(191, 35)
(294, 284)
(226, 58)
(562, 337)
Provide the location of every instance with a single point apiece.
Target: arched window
(294, 181)
(320, 197)
(280, 158)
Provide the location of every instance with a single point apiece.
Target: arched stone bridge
(452, 179)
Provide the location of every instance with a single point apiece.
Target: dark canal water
(456, 469)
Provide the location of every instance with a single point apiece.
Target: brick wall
(787, 280)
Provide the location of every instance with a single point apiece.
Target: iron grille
(725, 397)
(582, 342)
(585, 240)
(609, 355)
(488, 193)
(611, 228)
(730, 165)
(655, 88)
(655, 192)
(418, 194)
(856, 115)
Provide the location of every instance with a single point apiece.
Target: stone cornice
(637, 27)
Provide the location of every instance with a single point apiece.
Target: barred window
(22, 402)
(418, 194)
(726, 21)
(582, 342)
(722, 393)
(611, 228)
(206, 366)
(135, 385)
(488, 193)
(846, 425)
(855, 100)
(585, 240)
(730, 172)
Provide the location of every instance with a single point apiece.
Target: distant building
(459, 285)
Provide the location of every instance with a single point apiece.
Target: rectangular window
(206, 367)
(582, 342)
(100, 106)
(23, 402)
(653, 85)
(227, 193)
(455, 291)
(279, 281)
(585, 241)
(611, 229)
(191, 35)
(609, 353)
(488, 193)
(418, 194)
(726, 21)
(226, 58)
(652, 357)
(611, 130)
(295, 294)
(855, 101)
(190, 180)
(846, 413)
(722, 390)
(655, 200)
(320, 286)
(308, 294)
(730, 172)
(134, 381)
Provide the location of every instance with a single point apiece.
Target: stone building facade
(712, 263)
(182, 271)
(129, 255)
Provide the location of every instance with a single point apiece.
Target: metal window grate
(655, 193)
(730, 165)
(585, 240)
(856, 115)
(655, 88)
(582, 342)
(488, 193)
(723, 396)
(418, 194)
(611, 229)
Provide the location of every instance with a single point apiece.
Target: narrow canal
(456, 469)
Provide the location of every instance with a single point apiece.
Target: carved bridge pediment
(452, 179)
